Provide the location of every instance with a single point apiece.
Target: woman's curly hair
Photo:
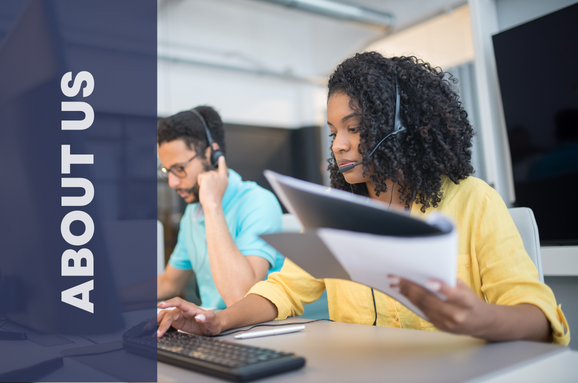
(438, 135)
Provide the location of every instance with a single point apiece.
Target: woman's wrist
(222, 318)
(506, 323)
(487, 321)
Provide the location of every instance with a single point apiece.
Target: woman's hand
(462, 312)
(188, 317)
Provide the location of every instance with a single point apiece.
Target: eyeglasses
(178, 171)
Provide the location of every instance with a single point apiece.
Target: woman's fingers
(167, 320)
(452, 312)
(188, 317)
(181, 304)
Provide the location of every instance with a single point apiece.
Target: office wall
(258, 64)
(514, 12)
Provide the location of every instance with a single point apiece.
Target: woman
(420, 164)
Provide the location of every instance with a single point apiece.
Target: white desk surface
(341, 352)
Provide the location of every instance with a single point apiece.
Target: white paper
(370, 258)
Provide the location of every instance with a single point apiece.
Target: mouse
(141, 330)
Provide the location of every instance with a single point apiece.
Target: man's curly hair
(188, 127)
(438, 135)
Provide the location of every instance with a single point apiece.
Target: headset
(397, 129)
(215, 154)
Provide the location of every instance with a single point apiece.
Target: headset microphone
(397, 128)
(346, 168)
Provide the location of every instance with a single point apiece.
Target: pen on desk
(279, 331)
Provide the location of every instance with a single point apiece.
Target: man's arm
(172, 282)
(233, 273)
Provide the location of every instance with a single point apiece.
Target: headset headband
(209, 138)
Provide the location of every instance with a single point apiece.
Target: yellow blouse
(491, 260)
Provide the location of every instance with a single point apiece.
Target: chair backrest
(291, 224)
(526, 223)
(160, 248)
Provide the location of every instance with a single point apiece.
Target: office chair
(526, 223)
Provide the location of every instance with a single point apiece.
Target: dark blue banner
(78, 192)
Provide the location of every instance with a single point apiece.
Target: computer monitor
(536, 64)
(293, 152)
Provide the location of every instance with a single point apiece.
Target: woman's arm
(464, 313)
(190, 318)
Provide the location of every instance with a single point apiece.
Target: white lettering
(82, 200)
(84, 289)
(77, 240)
(80, 77)
(80, 106)
(81, 262)
(68, 159)
(76, 269)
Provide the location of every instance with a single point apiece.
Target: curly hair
(186, 126)
(438, 135)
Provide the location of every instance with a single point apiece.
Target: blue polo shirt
(249, 211)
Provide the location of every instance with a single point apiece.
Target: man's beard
(195, 194)
(194, 191)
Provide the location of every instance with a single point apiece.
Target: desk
(342, 352)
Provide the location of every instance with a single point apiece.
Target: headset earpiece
(215, 154)
(398, 128)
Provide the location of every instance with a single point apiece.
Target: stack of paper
(354, 238)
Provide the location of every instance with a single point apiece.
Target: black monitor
(536, 64)
(292, 152)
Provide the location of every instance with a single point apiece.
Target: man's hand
(187, 317)
(213, 184)
(463, 312)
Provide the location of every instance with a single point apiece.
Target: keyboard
(223, 359)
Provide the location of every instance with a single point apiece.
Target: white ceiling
(262, 63)
(409, 12)
(262, 36)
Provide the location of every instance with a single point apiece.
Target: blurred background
(263, 65)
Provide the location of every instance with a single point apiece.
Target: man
(219, 232)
